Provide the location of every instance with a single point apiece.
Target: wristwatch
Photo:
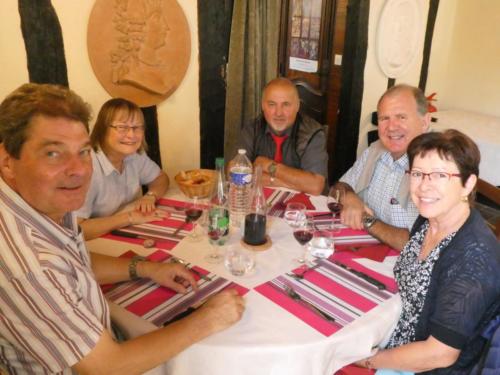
(151, 194)
(368, 221)
(132, 267)
(272, 171)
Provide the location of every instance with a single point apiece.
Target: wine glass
(193, 213)
(303, 233)
(218, 231)
(294, 213)
(334, 203)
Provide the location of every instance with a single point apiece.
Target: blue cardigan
(464, 293)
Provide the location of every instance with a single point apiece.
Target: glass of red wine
(303, 233)
(193, 213)
(334, 203)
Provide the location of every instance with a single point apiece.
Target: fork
(297, 297)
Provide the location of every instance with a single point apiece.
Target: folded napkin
(373, 252)
(301, 198)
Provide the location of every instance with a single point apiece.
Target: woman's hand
(138, 217)
(146, 204)
(173, 276)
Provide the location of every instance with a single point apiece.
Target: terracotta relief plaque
(139, 49)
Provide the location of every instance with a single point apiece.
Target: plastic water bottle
(240, 179)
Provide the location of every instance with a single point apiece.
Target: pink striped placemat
(335, 291)
(158, 304)
(161, 231)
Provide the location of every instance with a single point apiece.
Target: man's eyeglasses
(124, 129)
(419, 176)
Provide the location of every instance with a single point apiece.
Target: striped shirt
(381, 194)
(52, 311)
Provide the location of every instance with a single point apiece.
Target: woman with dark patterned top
(448, 272)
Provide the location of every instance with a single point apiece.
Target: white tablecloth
(268, 339)
(484, 130)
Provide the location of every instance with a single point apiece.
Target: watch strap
(132, 267)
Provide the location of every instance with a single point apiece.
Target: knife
(122, 233)
(362, 275)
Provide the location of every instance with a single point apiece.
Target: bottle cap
(219, 162)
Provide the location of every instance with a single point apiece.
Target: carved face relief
(139, 49)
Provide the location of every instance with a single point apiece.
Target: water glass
(322, 244)
(239, 261)
(295, 213)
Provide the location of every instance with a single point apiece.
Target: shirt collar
(287, 132)
(401, 163)
(106, 165)
(66, 232)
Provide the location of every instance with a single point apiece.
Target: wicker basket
(196, 183)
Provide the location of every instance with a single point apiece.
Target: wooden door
(311, 47)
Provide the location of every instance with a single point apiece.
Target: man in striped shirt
(53, 316)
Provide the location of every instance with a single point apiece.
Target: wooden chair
(489, 207)
(312, 101)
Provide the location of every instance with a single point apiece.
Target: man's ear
(5, 163)
(426, 122)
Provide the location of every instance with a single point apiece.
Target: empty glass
(294, 214)
(239, 261)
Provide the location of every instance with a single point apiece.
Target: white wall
(178, 116)
(468, 77)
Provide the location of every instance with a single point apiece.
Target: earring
(464, 199)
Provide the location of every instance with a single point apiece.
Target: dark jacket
(464, 293)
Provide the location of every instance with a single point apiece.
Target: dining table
(347, 304)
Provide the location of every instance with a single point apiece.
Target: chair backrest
(489, 364)
(491, 211)
(312, 101)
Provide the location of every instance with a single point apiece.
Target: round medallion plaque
(399, 36)
(139, 49)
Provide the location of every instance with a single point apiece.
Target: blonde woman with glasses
(448, 272)
(120, 168)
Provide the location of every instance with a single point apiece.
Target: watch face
(368, 221)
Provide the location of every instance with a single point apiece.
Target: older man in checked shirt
(377, 187)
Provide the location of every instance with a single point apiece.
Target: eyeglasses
(124, 129)
(438, 177)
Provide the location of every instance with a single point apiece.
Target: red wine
(255, 229)
(214, 235)
(335, 207)
(303, 236)
(193, 214)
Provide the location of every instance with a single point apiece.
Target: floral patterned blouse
(413, 277)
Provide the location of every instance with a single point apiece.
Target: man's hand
(353, 211)
(222, 310)
(263, 162)
(174, 276)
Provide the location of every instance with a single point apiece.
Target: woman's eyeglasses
(419, 176)
(124, 129)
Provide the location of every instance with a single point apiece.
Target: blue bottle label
(240, 178)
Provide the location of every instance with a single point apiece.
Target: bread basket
(196, 182)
